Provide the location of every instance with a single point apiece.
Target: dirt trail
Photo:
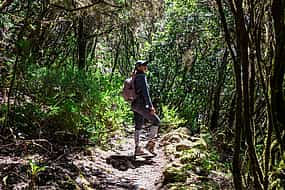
(76, 168)
(127, 173)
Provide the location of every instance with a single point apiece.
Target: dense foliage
(216, 67)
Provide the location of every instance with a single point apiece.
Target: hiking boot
(139, 151)
(150, 147)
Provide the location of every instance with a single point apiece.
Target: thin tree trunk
(15, 67)
(278, 69)
(220, 81)
(238, 127)
(238, 117)
(243, 44)
(116, 59)
(268, 138)
(81, 44)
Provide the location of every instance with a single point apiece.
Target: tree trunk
(243, 45)
(268, 138)
(278, 68)
(238, 117)
(81, 44)
(217, 91)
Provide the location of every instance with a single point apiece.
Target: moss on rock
(173, 175)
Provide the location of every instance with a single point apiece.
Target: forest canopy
(214, 66)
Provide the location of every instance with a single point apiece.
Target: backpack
(129, 92)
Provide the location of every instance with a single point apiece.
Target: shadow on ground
(125, 162)
(33, 164)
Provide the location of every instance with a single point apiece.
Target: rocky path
(125, 172)
(78, 168)
(183, 162)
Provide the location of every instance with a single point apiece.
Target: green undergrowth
(67, 106)
(170, 119)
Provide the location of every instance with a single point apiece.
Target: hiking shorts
(140, 114)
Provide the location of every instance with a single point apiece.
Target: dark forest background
(215, 66)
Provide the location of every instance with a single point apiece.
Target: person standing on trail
(143, 109)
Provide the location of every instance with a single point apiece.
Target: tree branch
(87, 6)
(5, 4)
(226, 30)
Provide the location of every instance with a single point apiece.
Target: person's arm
(146, 94)
(142, 86)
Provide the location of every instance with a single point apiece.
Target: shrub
(71, 102)
(171, 119)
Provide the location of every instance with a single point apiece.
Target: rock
(170, 150)
(174, 174)
(138, 187)
(175, 137)
(184, 145)
(177, 154)
(201, 172)
(187, 159)
(199, 143)
(170, 138)
(175, 164)
(181, 186)
(192, 155)
(81, 180)
(183, 130)
(192, 138)
(87, 152)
